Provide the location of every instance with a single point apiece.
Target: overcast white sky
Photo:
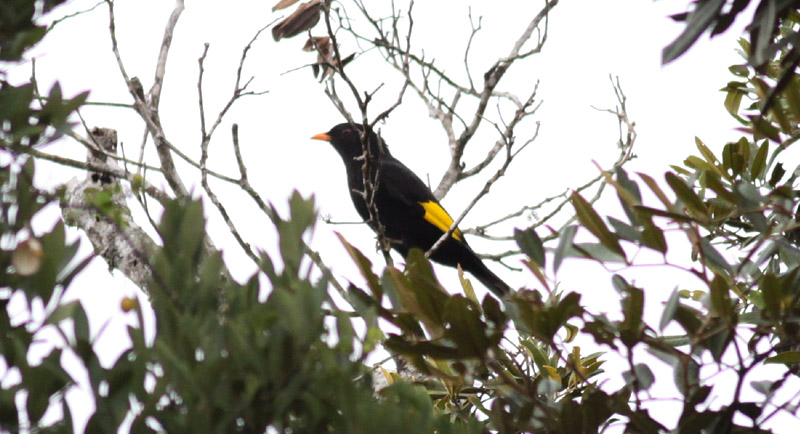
(588, 40)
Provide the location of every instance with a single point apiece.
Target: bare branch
(469, 45)
(625, 143)
(66, 17)
(220, 207)
(487, 186)
(491, 80)
(115, 172)
(151, 119)
(161, 65)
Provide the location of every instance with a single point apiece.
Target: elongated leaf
(564, 244)
(669, 309)
(698, 163)
(595, 251)
(592, 221)
(720, 298)
(538, 358)
(698, 21)
(466, 285)
(531, 245)
(669, 215)
(628, 194)
(656, 189)
(777, 173)
(686, 195)
(304, 17)
(364, 266)
(765, 128)
(465, 328)
(712, 257)
(283, 4)
(759, 162)
(772, 294)
(715, 184)
(625, 231)
(786, 357)
(641, 377)
(735, 90)
(707, 154)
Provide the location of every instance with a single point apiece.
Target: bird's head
(346, 139)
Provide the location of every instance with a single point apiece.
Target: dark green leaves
(640, 377)
(697, 22)
(786, 357)
(20, 31)
(687, 196)
(592, 221)
(531, 245)
(543, 321)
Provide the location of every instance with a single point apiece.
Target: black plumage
(406, 208)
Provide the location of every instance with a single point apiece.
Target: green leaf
(538, 357)
(598, 252)
(63, 312)
(632, 308)
(712, 256)
(625, 231)
(715, 184)
(759, 162)
(80, 323)
(686, 375)
(777, 173)
(772, 293)
(765, 129)
(628, 194)
(364, 266)
(564, 245)
(653, 236)
(531, 245)
(465, 328)
(786, 358)
(686, 195)
(22, 41)
(720, 298)
(739, 70)
(399, 345)
(641, 377)
(493, 313)
(734, 92)
(42, 382)
(602, 330)
(670, 308)
(656, 190)
(592, 221)
(345, 333)
(698, 21)
(8, 408)
(303, 213)
(764, 387)
(705, 152)
(732, 159)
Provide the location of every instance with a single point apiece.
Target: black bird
(406, 208)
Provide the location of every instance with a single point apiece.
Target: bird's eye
(347, 131)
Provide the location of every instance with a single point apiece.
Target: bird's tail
(489, 279)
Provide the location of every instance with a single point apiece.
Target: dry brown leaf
(318, 43)
(283, 4)
(305, 17)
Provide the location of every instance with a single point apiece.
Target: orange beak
(322, 136)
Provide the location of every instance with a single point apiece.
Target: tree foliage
(277, 351)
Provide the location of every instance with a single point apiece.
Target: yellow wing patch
(437, 216)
